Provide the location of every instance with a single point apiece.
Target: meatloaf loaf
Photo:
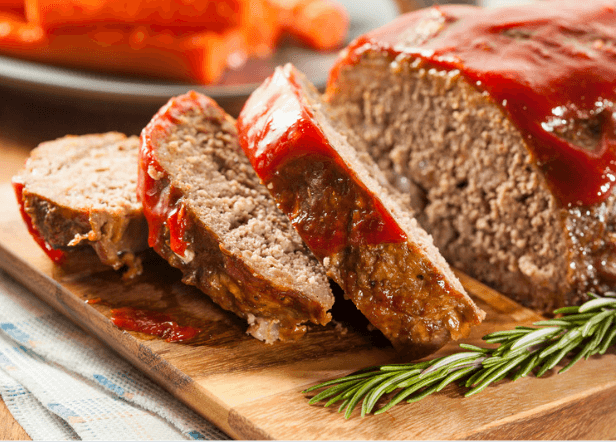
(209, 216)
(81, 190)
(503, 120)
(386, 264)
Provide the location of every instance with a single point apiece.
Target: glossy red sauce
(277, 126)
(177, 223)
(549, 65)
(152, 323)
(57, 256)
(162, 204)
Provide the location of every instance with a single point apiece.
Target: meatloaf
(210, 217)
(364, 237)
(503, 122)
(81, 191)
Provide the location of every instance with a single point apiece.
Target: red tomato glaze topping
(277, 127)
(57, 256)
(162, 203)
(551, 66)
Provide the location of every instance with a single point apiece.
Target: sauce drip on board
(152, 323)
(551, 66)
(276, 128)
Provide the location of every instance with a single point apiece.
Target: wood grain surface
(252, 390)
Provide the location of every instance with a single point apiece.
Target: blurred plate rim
(68, 83)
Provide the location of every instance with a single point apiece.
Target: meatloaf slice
(365, 238)
(503, 120)
(209, 216)
(81, 190)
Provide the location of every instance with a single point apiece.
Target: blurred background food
(186, 40)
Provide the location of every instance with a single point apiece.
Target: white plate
(77, 84)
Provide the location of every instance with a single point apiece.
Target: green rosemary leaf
(423, 394)
(338, 381)
(412, 389)
(596, 319)
(348, 394)
(491, 362)
(575, 359)
(597, 304)
(402, 384)
(608, 340)
(487, 372)
(496, 340)
(398, 398)
(333, 400)
(455, 376)
(514, 353)
(398, 367)
(475, 348)
(603, 330)
(555, 358)
(505, 333)
(330, 392)
(412, 381)
(343, 405)
(567, 310)
(571, 335)
(580, 317)
(503, 375)
(360, 393)
(540, 334)
(376, 394)
(527, 366)
(338, 398)
(588, 349)
(473, 379)
(553, 322)
(449, 360)
(496, 373)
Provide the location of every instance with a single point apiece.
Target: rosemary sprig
(581, 331)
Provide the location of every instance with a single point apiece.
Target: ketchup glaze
(57, 256)
(550, 65)
(277, 127)
(162, 202)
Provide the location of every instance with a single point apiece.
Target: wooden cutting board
(254, 391)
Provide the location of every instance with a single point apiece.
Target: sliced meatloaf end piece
(513, 151)
(210, 217)
(82, 190)
(369, 244)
